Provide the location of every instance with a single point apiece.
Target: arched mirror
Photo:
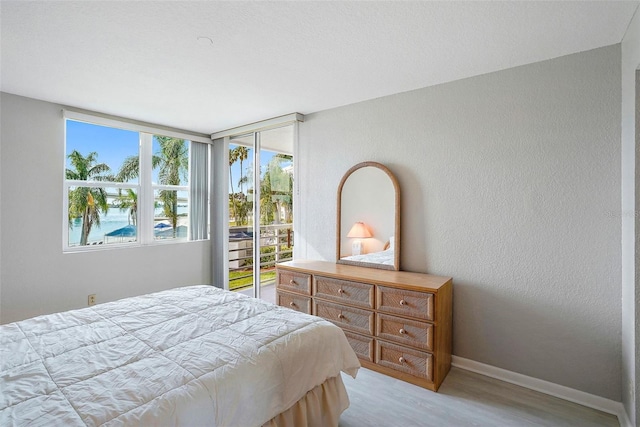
(368, 221)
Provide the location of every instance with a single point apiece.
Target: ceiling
(210, 66)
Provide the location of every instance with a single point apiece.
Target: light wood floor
(464, 399)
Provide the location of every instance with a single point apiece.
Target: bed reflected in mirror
(368, 220)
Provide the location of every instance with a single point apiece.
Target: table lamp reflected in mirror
(358, 231)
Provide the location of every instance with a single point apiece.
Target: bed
(385, 257)
(191, 356)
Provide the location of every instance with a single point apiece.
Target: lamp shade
(359, 230)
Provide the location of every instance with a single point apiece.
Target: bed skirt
(320, 407)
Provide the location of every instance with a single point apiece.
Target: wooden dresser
(398, 323)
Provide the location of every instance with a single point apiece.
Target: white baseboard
(546, 387)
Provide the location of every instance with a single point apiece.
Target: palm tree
(267, 204)
(242, 153)
(128, 200)
(287, 200)
(276, 190)
(87, 202)
(173, 162)
(233, 157)
(244, 206)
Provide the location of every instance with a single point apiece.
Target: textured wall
(0, 220)
(37, 278)
(510, 185)
(630, 206)
(634, 387)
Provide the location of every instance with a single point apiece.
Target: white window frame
(145, 188)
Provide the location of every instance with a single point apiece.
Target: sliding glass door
(260, 209)
(241, 159)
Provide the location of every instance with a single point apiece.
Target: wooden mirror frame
(396, 236)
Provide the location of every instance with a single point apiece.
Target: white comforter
(385, 257)
(190, 356)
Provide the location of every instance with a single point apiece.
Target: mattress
(189, 356)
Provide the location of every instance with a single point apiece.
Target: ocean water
(113, 220)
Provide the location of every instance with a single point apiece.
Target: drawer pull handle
(340, 291)
(403, 302)
(292, 304)
(340, 316)
(402, 332)
(401, 360)
(292, 282)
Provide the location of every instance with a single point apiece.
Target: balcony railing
(276, 245)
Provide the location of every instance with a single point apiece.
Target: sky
(112, 145)
(115, 145)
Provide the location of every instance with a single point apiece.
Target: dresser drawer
(405, 303)
(349, 318)
(362, 346)
(294, 301)
(293, 281)
(403, 359)
(405, 331)
(343, 291)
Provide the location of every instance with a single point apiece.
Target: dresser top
(404, 279)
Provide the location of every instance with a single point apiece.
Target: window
(128, 187)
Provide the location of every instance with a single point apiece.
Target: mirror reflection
(368, 217)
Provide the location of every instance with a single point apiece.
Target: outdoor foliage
(238, 203)
(276, 189)
(128, 200)
(87, 202)
(172, 162)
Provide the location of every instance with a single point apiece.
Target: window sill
(121, 246)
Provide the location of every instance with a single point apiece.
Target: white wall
(36, 277)
(630, 206)
(510, 184)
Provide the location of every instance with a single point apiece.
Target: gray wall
(630, 206)
(0, 219)
(634, 387)
(36, 276)
(510, 184)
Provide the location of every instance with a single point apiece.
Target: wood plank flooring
(464, 399)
